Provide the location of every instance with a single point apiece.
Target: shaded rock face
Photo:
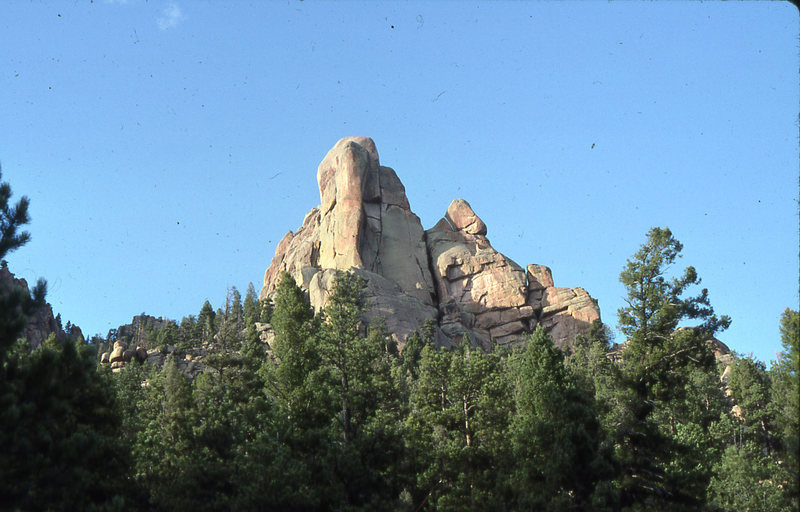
(41, 323)
(449, 273)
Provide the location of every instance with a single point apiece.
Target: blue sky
(166, 147)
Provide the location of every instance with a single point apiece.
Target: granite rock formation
(449, 273)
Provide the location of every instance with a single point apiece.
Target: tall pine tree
(657, 361)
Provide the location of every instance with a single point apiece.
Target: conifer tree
(15, 302)
(365, 436)
(555, 432)
(206, 323)
(785, 373)
(656, 362)
(456, 429)
(58, 422)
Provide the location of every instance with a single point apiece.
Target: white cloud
(170, 17)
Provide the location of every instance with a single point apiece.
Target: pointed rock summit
(449, 273)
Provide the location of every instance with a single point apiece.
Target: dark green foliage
(15, 302)
(170, 336)
(206, 326)
(58, 422)
(746, 479)
(412, 352)
(365, 443)
(655, 302)
(555, 432)
(595, 372)
(296, 360)
(58, 431)
(187, 333)
(785, 405)
(456, 429)
(330, 416)
(657, 367)
(12, 218)
(750, 387)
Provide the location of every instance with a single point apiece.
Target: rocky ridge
(42, 323)
(449, 273)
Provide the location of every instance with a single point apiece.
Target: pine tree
(365, 440)
(58, 431)
(456, 430)
(57, 414)
(657, 361)
(785, 373)
(746, 479)
(555, 432)
(15, 302)
(206, 323)
(295, 356)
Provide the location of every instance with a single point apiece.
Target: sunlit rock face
(449, 273)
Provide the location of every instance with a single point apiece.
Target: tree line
(332, 416)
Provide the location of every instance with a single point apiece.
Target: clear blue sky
(166, 147)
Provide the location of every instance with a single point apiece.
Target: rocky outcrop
(449, 273)
(120, 355)
(41, 323)
(135, 333)
(364, 223)
(191, 362)
(482, 294)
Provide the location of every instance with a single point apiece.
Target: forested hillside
(328, 414)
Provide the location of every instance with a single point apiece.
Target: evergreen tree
(656, 363)
(299, 395)
(15, 302)
(296, 358)
(590, 362)
(785, 373)
(58, 431)
(165, 447)
(555, 432)
(206, 323)
(169, 335)
(188, 333)
(366, 442)
(57, 414)
(251, 307)
(227, 360)
(749, 384)
(746, 479)
(456, 429)
(12, 218)
(412, 352)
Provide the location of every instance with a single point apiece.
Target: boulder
(461, 217)
(118, 354)
(141, 354)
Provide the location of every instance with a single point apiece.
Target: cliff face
(41, 323)
(449, 273)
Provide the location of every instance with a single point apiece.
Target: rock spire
(449, 273)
